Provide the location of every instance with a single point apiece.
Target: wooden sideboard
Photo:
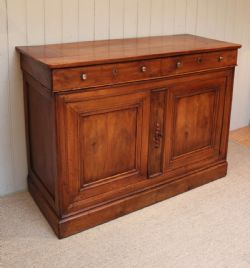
(114, 126)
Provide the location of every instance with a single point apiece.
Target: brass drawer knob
(84, 77)
(143, 69)
(220, 59)
(178, 64)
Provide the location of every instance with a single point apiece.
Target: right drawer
(198, 62)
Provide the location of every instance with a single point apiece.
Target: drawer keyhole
(115, 72)
(199, 60)
(144, 69)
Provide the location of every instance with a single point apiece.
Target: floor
(241, 136)
(206, 227)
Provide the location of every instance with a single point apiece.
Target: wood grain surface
(96, 52)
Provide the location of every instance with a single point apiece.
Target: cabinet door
(194, 120)
(103, 143)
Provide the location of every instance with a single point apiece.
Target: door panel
(99, 135)
(194, 121)
(104, 141)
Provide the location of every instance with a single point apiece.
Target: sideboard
(114, 126)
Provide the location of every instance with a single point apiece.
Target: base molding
(87, 219)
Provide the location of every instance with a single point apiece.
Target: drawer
(75, 78)
(138, 70)
(91, 76)
(197, 62)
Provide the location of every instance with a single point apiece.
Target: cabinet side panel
(41, 135)
(227, 114)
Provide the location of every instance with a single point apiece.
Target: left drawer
(89, 76)
(106, 74)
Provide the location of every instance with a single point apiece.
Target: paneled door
(104, 141)
(194, 121)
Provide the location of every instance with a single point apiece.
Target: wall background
(31, 22)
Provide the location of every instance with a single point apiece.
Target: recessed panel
(194, 117)
(41, 143)
(108, 144)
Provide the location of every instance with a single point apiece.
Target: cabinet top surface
(107, 51)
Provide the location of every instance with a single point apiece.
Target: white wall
(53, 21)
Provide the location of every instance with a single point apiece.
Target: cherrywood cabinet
(110, 134)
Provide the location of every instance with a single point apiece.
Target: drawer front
(107, 74)
(75, 78)
(91, 76)
(197, 62)
(138, 70)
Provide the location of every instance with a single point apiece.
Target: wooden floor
(241, 136)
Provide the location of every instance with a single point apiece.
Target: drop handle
(84, 77)
(144, 69)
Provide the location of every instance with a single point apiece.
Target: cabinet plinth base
(82, 221)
